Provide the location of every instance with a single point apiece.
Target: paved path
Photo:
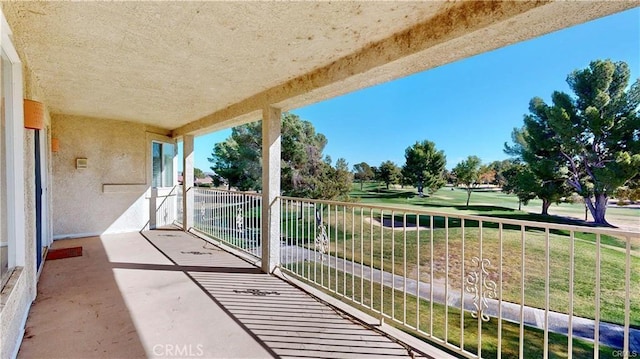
(611, 335)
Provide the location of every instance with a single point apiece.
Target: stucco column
(187, 182)
(271, 124)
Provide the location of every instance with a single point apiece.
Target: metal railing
(480, 286)
(229, 216)
(166, 205)
(179, 202)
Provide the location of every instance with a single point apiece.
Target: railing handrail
(208, 189)
(516, 222)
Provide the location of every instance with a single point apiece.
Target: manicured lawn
(488, 203)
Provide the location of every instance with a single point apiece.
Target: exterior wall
(111, 194)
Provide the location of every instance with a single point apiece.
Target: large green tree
(237, 159)
(389, 173)
(424, 166)
(544, 173)
(362, 172)
(304, 170)
(595, 134)
(467, 173)
(519, 180)
(499, 167)
(197, 173)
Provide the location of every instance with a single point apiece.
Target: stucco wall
(117, 155)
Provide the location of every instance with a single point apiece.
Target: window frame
(14, 146)
(174, 170)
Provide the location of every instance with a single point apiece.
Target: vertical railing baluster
(462, 282)
(596, 328)
(297, 204)
(315, 238)
(371, 258)
(571, 278)
(480, 292)
(361, 261)
(418, 272)
(545, 348)
(500, 243)
(404, 273)
(353, 251)
(335, 252)
(382, 264)
(393, 264)
(431, 275)
(344, 250)
(446, 278)
(522, 275)
(328, 266)
(626, 347)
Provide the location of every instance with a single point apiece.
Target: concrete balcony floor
(169, 294)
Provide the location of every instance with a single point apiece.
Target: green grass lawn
(487, 203)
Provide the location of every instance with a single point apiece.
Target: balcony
(352, 279)
(479, 286)
(166, 293)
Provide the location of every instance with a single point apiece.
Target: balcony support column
(187, 182)
(271, 128)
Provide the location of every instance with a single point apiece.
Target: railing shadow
(286, 321)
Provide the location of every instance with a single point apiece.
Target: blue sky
(468, 107)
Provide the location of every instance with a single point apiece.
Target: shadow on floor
(79, 311)
(284, 319)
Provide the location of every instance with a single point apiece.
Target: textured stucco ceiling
(188, 65)
(171, 63)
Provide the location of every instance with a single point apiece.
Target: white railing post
(187, 182)
(271, 125)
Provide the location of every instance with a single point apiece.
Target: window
(163, 155)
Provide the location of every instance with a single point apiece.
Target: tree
(630, 192)
(424, 166)
(304, 171)
(237, 159)
(499, 167)
(335, 182)
(486, 174)
(303, 164)
(467, 173)
(544, 176)
(362, 172)
(595, 135)
(519, 180)
(389, 173)
(197, 173)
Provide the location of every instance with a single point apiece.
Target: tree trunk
(468, 196)
(598, 209)
(361, 185)
(545, 206)
(387, 185)
(519, 205)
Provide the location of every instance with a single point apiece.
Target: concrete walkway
(168, 294)
(611, 335)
